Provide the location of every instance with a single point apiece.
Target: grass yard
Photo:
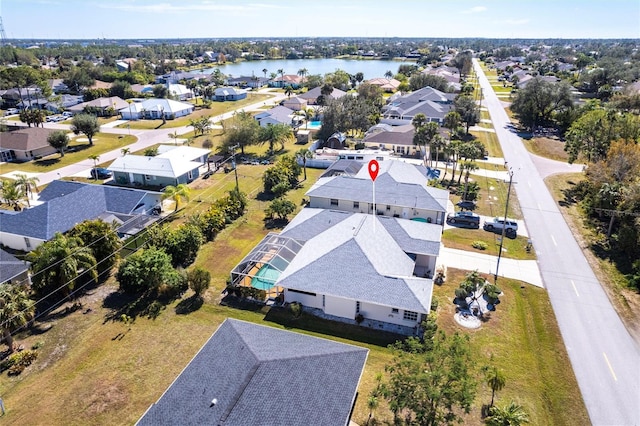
(102, 142)
(490, 141)
(551, 148)
(492, 197)
(216, 109)
(462, 239)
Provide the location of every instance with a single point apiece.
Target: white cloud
(475, 9)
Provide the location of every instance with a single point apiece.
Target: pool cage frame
(275, 251)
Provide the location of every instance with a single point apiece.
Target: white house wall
(394, 211)
(339, 307)
(386, 314)
(305, 299)
(17, 242)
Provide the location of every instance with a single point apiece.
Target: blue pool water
(265, 278)
(313, 125)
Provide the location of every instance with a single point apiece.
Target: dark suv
(100, 173)
(463, 218)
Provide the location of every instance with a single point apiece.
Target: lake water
(370, 68)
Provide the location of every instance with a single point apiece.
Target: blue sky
(149, 19)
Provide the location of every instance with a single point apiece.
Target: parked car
(467, 219)
(466, 204)
(12, 111)
(497, 224)
(100, 173)
(67, 114)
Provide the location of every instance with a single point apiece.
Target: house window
(358, 307)
(147, 177)
(323, 297)
(356, 204)
(27, 243)
(410, 316)
(190, 175)
(334, 202)
(388, 208)
(394, 310)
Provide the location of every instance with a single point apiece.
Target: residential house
(101, 106)
(24, 97)
(170, 167)
(253, 81)
(293, 80)
(142, 88)
(179, 92)
(450, 74)
(401, 191)
(25, 144)
(276, 115)
(63, 102)
(312, 95)
(433, 103)
(57, 86)
(250, 374)
(63, 204)
(229, 94)
(398, 139)
(386, 84)
(296, 103)
(13, 270)
(155, 108)
(342, 265)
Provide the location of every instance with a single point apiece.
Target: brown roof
(101, 85)
(114, 101)
(400, 135)
(26, 139)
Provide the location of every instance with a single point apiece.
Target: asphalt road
(604, 356)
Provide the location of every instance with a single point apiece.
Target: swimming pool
(265, 278)
(313, 125)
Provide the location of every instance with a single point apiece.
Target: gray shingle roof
(10, 266)
(67, 204)
(262, 376)
(412, 236)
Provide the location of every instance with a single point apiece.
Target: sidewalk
(524, 270)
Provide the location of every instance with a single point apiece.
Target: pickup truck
(464, 218)
(497, 224)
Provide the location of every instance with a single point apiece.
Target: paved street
(605, 358)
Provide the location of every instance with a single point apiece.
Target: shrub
(17, 362)
(296, 309)
(480, 245)
(198, 279)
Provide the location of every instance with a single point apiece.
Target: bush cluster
(17, 362)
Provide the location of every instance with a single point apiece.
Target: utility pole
(504, 227)
(233, 163)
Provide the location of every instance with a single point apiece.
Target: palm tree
(265, 71)
(12, 195)
(95, 158)
(177, 194)
(511, 414)
(438, 143)
(388, 74)
(372, 404)
(16, 310)
(303, 72)
(288, 90)
(281, 72)
(27, 185)
(125, 151)
(496, 381)
(468, 167)
(304, 154)
(308, 115)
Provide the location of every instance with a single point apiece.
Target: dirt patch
(106, 396)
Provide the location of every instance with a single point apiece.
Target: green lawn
(462, 239)
(490, 141)
(492, 197)
(102, 142)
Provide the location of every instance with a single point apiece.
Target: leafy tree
(103, 241)
(150, 152)
(86, 124)
(421, 80)
(281, 208)
(122, 89)
(16, 310)
(511, 414)
(91, 94)
(177, 193)
(539, 101)
(57, 264)
(304, 154)
(144, 271)
(242, 130)
(347, 114)
(199, 280)
(160, 91)
(181, 244)
(432, 386)
(338, 79)
(452, 122)
(462, 61)
(58, 141)
(282, 176)
(78, 79)
(468, 110)
(425, 132)
(26, 185)
(371, 93)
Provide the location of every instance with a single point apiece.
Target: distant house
(275, 115)
(296, 103)
(253, 81)
(25, 144)
(293, 80)
(100, 105)
(398, 139)
(156, 108)
(179, 92)
(341, 265)
(12, 269)
(386, 84)
(63, 204)
(57, 86)
(229, 94)
(312, 95)
(249, 374)
(25, 97)
(433, 103)
(142, 88)
(173, 166)
(450, 74)
(63, 102)
(401, 191)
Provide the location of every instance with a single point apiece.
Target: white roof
(153, 166)
(157, 104)
(178, 89)
(181, 152)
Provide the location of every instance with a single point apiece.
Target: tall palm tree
(438, 143)
(27, 185)
(511, 414)
(496, 381)
(372, 404)
(177, 193)
(11, 194)
(281, 72)
(468, 167)
(388, 74)
(16, 310)
(265, 71)
(95, 158)
(304, 154)
(303, 72)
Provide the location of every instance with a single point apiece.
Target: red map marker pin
(374, 167)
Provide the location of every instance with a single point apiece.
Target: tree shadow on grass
(124, 306)
(236, 302)
(189, 305)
